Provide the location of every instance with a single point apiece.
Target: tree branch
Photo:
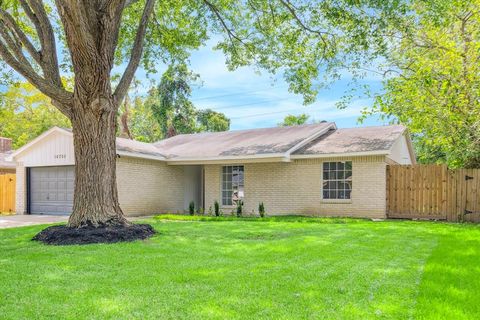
(37, 14)
(58, 94)
(287, 4)
(136, 54)
(14, 28)
(229, 31)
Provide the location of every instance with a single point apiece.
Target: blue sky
(253, 100)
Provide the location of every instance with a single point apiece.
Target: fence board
(433, 192)
(7, 193)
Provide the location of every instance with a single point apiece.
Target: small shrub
(217, 208)
(200, 211)
(261, 209)
(191, 208)
(210, 211)
(239, 208)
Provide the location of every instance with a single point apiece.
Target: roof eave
(140, 155)
(342, 154)
(272, 157)
(36, 140)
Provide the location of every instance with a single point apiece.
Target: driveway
(30, 220)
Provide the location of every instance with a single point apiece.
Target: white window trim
(227, 206)
(333, 201)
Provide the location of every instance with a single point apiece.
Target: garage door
(51, 190)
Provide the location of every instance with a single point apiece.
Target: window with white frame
(337, 180)
(232, 184)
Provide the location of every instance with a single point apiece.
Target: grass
(274, 268)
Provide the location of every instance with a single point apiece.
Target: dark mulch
(63, 235)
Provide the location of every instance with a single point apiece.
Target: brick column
(21, 189)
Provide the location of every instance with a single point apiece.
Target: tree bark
(96, 197)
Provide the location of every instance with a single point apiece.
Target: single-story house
(314, 169)
(6, 166)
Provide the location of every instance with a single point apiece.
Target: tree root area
(63, 235)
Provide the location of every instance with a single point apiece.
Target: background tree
(292, 120)
(26, 113)
(294, 38)
(142, 123)
(170, 101)
(433, 81)
(172, 109)
(212, 121)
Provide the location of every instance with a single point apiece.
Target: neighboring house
(6, 167)
(313, 169)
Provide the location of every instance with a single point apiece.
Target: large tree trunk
(91, 30)
(96, 198)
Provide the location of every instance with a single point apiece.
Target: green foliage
(174, 112)
(170, 102)
(292, 120)
(432, 81)
(191, 208)
(239, 209)
(261, 209)
(212, 121)
(25, 113)
(308, 42)
(142, 124)
(217, 208)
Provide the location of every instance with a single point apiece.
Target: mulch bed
(63, 235)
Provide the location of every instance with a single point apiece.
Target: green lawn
(292, 268)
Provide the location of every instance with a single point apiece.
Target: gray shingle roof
(138, 147)
(133, 146)
(238, 142)
(268, 141)
(354, 140)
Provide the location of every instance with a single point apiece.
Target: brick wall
(144, 187)
(296, 188)
(148, 187)
(21, 190)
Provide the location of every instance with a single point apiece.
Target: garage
(51, 190)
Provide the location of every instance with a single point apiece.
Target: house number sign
(60, 156)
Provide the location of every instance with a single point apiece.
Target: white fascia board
(37, 140)
(139, 155)
(346, 154)
(411, 149)
(271, 157)
(310, 139)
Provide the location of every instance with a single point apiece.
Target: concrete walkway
(30, 220)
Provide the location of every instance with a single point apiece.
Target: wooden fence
(7, 193)
(433, 192)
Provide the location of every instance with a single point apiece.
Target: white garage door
(51, 190)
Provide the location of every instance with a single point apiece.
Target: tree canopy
(293, 120)
(26, 113)
(433, 81)
(172, 109)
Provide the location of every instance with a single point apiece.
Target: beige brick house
(312, 169)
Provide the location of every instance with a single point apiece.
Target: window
(337, 180)
(232, 184)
